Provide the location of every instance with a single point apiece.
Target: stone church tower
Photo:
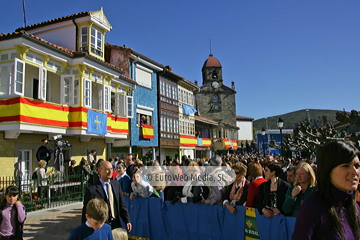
(215, 100)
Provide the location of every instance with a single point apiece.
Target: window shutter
(120, 101)
(107, 99)
(130, 110)
(19, 77)
(87, 93)
(101, 96)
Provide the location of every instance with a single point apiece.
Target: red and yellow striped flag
(147, 131)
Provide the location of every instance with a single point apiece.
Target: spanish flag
(188, 141)
(147, 131)
(235, 145)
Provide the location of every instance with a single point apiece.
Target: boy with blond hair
(95, 227)
(119, 234)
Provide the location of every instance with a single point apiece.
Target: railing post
(82, 186)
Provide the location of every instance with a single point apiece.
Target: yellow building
(54, 81)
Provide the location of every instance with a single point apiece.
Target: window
(67, 89)
(143, 119)
(4, 82)
(216, 107)
(176, 126)
(161, 124)
(107, 101)
(84, 39)
(96, 42)
(144, 115)
(35, 58)
(214, 133)
(24, 171)
(19, 78)
(168, 90)
(42, 83)
(143, 76)
(87, 93)
(129, 100)
(76, 91)
(54, 65)
(120, 104)
(216, 98)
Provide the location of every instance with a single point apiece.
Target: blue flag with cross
(97, 123)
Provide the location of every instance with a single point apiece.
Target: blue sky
(283, 55)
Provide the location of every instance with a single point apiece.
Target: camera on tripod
(61, 143)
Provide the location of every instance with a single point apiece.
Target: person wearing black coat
(44, 152)
(272, 193)
(99, 190)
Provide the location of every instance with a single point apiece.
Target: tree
(305, 139)
(352, 118)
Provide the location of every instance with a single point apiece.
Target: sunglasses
(237, 173)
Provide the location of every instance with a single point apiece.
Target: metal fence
(52, 191)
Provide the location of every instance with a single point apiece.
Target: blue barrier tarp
(151, 218)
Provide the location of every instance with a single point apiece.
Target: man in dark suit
(44, 152)
(100, 190)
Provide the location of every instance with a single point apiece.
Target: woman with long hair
(331, 212)
(304, 185)
(12, 215)
(272, 193)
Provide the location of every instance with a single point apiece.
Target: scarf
(236, 194)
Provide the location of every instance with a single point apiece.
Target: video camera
(61, 143)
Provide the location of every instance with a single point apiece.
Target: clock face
(215, 84)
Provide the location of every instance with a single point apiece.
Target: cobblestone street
(52, 224)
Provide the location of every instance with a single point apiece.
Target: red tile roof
(212, 62)
(205, 119)
(56, 20)
(73, 54)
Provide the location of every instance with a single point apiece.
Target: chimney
(323, 121)
(168, 67)
(196, 82)
(233, 85)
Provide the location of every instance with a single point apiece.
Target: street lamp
(263, 132)
(280, 124)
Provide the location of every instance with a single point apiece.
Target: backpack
(34, 176)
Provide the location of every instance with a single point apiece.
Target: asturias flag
(188, 109)
(97, 123)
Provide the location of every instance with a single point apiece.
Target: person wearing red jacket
(255, 174)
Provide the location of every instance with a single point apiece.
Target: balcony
(21, 114)
(225, 144)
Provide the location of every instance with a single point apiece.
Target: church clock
(215, 84)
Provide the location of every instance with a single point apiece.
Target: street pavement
(54, 223)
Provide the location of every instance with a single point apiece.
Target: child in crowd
(95, 227)
(140, 187)
(119, 234)
(12, 215)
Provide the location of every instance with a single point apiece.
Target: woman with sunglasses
(237, 192)
(331, 212)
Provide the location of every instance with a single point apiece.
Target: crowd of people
(322, 193)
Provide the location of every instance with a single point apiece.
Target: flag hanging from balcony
(96, 123)
(147, 131)
(188, 109)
